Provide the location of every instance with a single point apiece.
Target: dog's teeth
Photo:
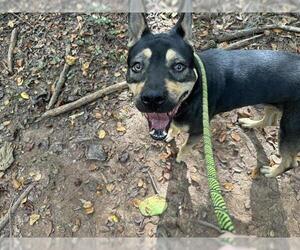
(152, 132)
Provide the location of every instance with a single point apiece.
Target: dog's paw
(247, 123)
(269, 172)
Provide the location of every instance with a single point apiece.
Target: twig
(61, 81)
(84, 100)
(153, 182)
(254, 31)
(12, 45)
(14, 207)
(207, 224)
(242, 33)
(242, 43)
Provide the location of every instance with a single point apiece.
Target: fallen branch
(12, 45)
(255, 31)
(85, 100)
(61, 81)
(242, 43)
(212, 226)
(5, 219)
(153, 182)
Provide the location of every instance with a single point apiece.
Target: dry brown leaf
(229, 186)
(223, 137)
(235, 136)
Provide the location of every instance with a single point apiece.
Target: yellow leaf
(113, 218)
(101, 134)
(120, 127)
(33, 219)
(71, 60)
(152, 206)
(89, 210)
(25, 96)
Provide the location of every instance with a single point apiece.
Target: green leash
(223, 217)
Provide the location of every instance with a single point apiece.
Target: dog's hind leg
(272, 115)
(289, 141)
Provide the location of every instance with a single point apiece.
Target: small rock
(92, 186)
(123, 158)
(96, 152)
(56, 148)
(43, 144)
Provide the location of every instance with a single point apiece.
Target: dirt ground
(87, 185)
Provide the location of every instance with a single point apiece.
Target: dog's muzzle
(159, 123)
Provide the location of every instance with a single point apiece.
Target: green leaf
(152, 206)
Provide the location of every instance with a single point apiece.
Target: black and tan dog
(167, 86)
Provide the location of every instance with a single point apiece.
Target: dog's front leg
(188, 145)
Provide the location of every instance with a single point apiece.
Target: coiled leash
(221, 212)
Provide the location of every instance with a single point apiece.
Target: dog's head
(161, 71)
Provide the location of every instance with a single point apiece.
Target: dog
(167, 87)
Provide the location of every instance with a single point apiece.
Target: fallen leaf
(33, 219)
(11, 24)
(120, 127)
(235, 136)
(140, 183)
(6, 123)
(222, 136)
(87, 206)
(76, 226)
(110, 187)
(136, 202)
(85, 68)
(229, 186)
(101, 134)
(117, 74)
(152, 206)
(19, 81)
(6, 156)
(71, 60)
(25, 96)
(113, 218)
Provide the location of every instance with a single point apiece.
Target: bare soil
(73, 166)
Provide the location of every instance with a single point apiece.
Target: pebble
(96, 152)
(124, 157)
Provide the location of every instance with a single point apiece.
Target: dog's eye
(179, 67)
(137, 67)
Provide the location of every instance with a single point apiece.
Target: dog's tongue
(158, 121)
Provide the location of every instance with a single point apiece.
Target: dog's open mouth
(159, 123)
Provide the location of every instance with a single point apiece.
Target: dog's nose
(153, 98)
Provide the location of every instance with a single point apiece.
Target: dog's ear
(184, 27)
(137, 26)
